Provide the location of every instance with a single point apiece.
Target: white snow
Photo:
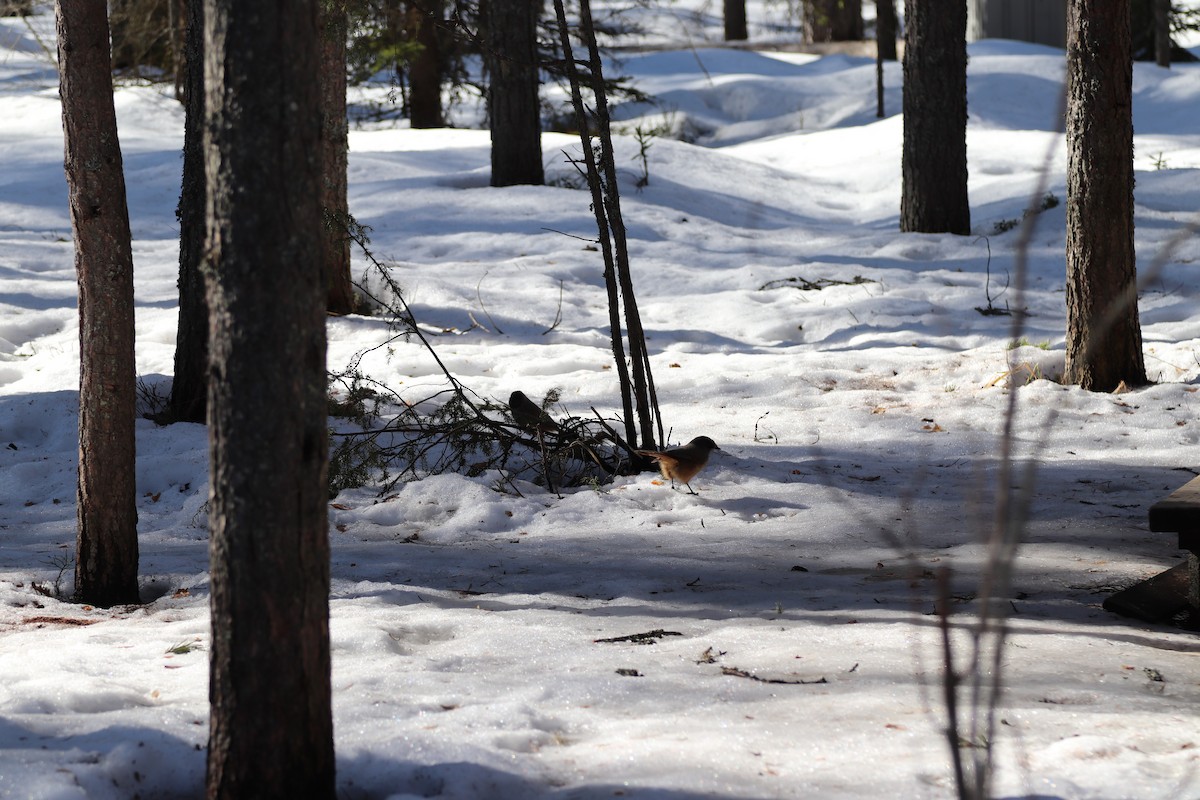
(859, 431)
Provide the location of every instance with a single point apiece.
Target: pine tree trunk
(178, 14)
(1162, 33)
(735, 21)
(425, 71)
(106, 546)
(1104, 340)
(886, 25)
(1150, 34)
(189, 389)
(271, 733)
(514, 110)
(833, 20)
(335, 155)
(934, 157)
(141, 34)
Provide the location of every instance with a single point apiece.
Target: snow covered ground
(859, 429)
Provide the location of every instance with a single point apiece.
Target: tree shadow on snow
(849, 534)
(377, 778)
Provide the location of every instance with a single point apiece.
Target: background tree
(934, 156)
(1152, 20)
(1162, 33)
(189, 389)
(885, 46)
(833, 20)
(178, 20)
(886, 26)
(106, 546)
(1104, 338)
(335, 157)
(514, 112)
(141, 34)
(271, 732)
(735, 21)
(420, 21)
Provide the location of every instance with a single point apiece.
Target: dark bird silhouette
(682, 464)
(529, 415)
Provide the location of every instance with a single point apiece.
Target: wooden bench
(1169, 593)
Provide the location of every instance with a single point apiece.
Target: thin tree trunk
(885, 46)
(514, 110)
(335, 149)
(1104, 339)
(886, 25)
(189, 389)
(178, 14)
(141, 34)
(833, 20)
(271, 733)
(644, 399)
(1162, 32)
(425, 71)
(637, 393)
(735, 21)
(934, 153)
(106, 546)
(879, 111)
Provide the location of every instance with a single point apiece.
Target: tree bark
(1162, 32)
(735, 21)
(178, 18)
(425, 70)
(514, 111)
(141, 34)
(886, 25)
(106, 546)
(1104, 339)
(934, 155)
(189, 389)
(833, 20)
(271, 733)
(885, 46)
(335, 154)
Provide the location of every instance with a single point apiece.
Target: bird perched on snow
(529, 415)
(683, 463)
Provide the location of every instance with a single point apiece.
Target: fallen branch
(741, 673)
(649, 637)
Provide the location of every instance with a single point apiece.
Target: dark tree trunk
(271, 733)
(106, 546)
(934, 158)
(833, 20)
(1145, 33)
(879, 110)
(141, 34)
(886, 25)
(885, 46)
(1104, 339)
(335, 151)
(636, 378)
(735, 21)
(1162, 32)
(189, 389)
(179, 21)
(514, 111)
(425, 70)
